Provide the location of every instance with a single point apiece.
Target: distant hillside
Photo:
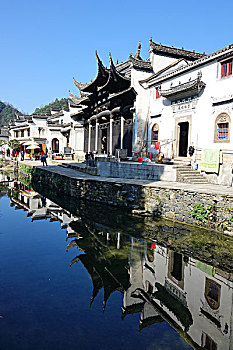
(7, 112)
(55, 105)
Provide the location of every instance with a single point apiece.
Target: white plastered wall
(141, 107)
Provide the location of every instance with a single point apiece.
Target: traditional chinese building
(190, 104)
(107, 105)
(58, 132)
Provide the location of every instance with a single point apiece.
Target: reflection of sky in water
(45, 303)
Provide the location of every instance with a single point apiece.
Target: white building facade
(57, 133)
(190, 104)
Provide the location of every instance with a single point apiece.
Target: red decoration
(157, 145)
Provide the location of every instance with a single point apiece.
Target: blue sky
(43, 44)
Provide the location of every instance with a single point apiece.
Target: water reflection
(160, 284)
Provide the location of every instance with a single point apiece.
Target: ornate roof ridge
(174, 50)
(79, 85)
(100, 63)
(140, 63)
(122, 63)
(191, 84)
(101, 67)
(195, 63)
(75, 99)
(113, 72)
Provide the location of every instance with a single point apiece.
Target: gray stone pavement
(217, 190)
(37, 163)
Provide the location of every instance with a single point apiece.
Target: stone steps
(188, 175)
(179, 161)
(197, 176)
(195, 181)
(191, 171)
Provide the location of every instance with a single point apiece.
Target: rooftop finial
(117, 61)
(150, 40)
(110, 59)
(138, 50)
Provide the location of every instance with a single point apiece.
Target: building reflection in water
(160, 284)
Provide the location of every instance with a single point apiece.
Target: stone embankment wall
(134, 170)
(196, 208)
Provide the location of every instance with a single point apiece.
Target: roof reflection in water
(160, 284)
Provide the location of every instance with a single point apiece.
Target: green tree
(55, 105)
(7, 113)
(14, 144)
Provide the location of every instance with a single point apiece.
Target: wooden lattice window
(155, 133)
(149, 287)
(208, 343)
(223, 131)
(226, 68)
(212, 293)
(222, 128)
(157, 94)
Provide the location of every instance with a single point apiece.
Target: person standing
(44, 160)
(22, 156)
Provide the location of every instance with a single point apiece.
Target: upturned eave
(101, 78)
(185, 90)
(116, 81)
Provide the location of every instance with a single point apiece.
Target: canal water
(83, 276)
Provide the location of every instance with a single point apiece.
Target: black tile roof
(174, 52)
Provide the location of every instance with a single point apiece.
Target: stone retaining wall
(186, 206)
(127, 170)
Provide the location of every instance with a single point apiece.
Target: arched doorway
(55, 145)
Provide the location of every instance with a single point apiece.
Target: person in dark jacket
(44, 160)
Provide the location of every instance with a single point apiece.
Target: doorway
(177, 266)
(104, 142)
(183, 139)
(55, 145)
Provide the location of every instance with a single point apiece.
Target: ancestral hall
(106, 108)
(107, 105)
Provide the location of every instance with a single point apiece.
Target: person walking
(44, 160)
